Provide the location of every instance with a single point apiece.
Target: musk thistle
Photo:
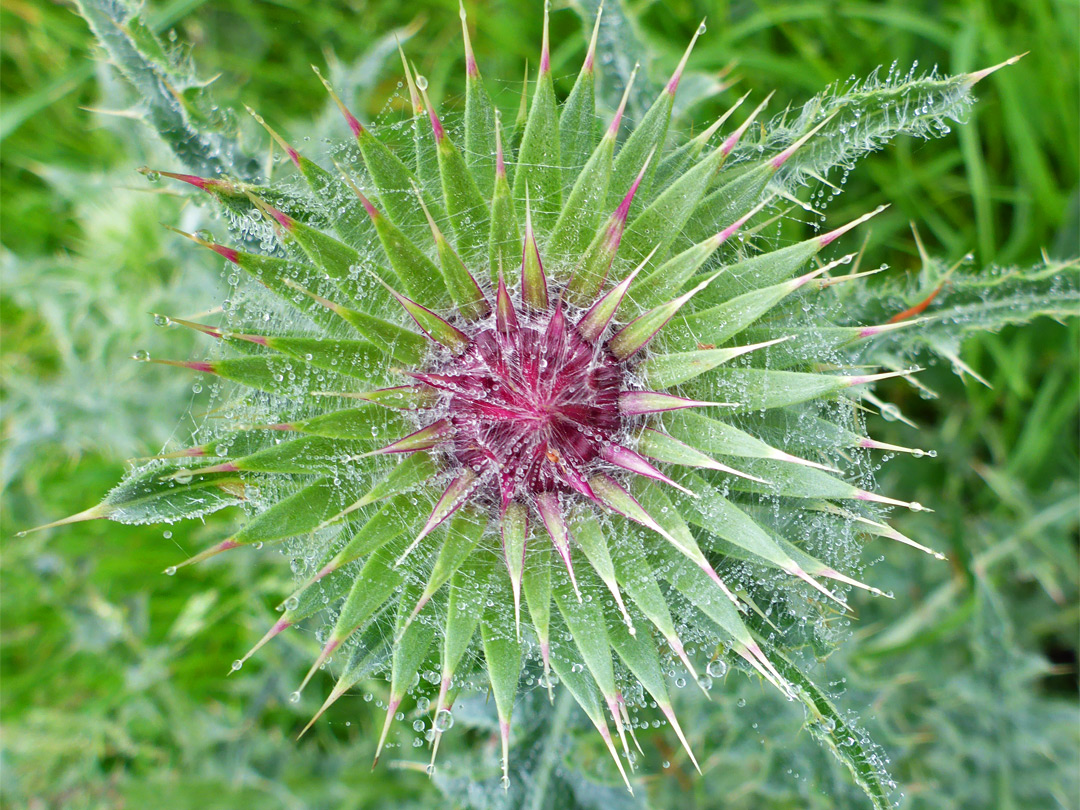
(534, 401)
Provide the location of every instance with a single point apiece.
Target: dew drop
(717, 668)
(421, 82)
(170, 571)
(166, 534)
(237, 664)
(162, 320)
(292, 603)
(294, 697)
(142, 355)
(701, 29)
(153, 177)
(444, 720)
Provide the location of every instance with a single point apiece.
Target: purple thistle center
(531, 405)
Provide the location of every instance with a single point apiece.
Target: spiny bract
(500, 428)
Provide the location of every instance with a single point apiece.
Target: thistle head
(539, 395)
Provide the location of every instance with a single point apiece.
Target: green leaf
(159, 81)
(755, 389)
(663, 219)
(663, 371)
(480, 116)
(536, 581)
(502, 652)
(577, 118)
(715, 436)
(538, 162)
(591, 540)
(465, 205)
(637, 578)
(299, 513)
(308, 454)
(504, 240)
(828, 727)
(150, 494)
(462, 535)
(370, 590)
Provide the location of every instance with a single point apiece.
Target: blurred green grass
(113, 689)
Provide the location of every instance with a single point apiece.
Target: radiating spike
(629, 460)
(545, 43)
(229, 253)
(401, 397)
(284, 221)
(673, 82)
(207, 184)
(662, 447)
(324, 654)
(782, 158)
(605, 733)
(592, 270)
(505, 317)
(914, 506)
(616, 120)
(452, 499)
(872, 378)
(636, 335)
(547, 503)
(292, 153)
(514, 527)
(874, 444)
(432, 325)
(979, 75)
(224, 545)
(414, 96)
(826, 239)
(616, 717)
(459, 281)
(595, 321)
(391, 708)
(93, 513)
(590, 53)
(733, 139)
(534, 290)
(669, 713)
(423, 439)
(618, 219)
(634, 403)
(354, 124)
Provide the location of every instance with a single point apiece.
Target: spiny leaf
(502, 652)
(479, 118)
(466, 206)
(577, 118)
(539, 170)
(583, 210)
(504, 240)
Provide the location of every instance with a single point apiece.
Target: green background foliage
(113, 675)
